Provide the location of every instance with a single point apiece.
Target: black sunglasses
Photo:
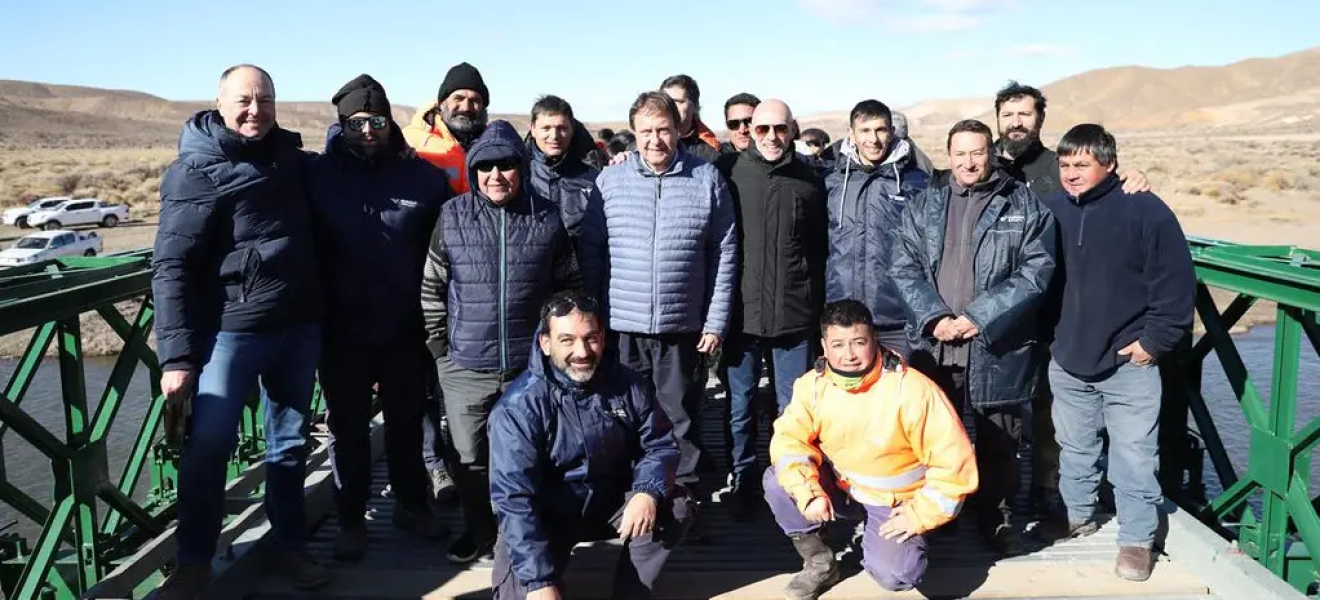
(780, 129)
(378, 122)
(503, 164)
(736, 124)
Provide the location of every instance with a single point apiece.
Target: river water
(31, 472)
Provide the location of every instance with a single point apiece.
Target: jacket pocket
(237, 272)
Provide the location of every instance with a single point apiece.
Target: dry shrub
(68, 182)
(1277, 181)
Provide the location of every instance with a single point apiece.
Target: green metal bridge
(106, 531)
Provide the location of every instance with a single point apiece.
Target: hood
(22, 210)
(538, 364)
(21, 252)
(205, 135)
(500, 140)
(581, 148)
(897, 158)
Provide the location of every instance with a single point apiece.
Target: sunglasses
(377, 122)
(736, 124)
(780, 129)
(503, 164)
(562, 304)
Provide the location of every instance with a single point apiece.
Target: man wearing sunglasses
(738, 121)
(497, 253)
(780, 203)
(374, 206)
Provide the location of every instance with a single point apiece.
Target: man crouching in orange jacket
(865, 437)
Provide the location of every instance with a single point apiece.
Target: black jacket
(1038, 167)
(1015, 241)
(1126, 275)
(373, 220)
(783, 243)
(569, 180)
(234, 248)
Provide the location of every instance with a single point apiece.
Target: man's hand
(946, 331)
(1134, 182)
(618, 159)
(548, 592)
(966, 328)
(1137, 354)
(709, 343)
(178, 387)
(638, 517)
(899, 527)
(819, 510)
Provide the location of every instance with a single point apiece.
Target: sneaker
(466, 550)
(1133, 564)
(351, 543)
(442, 486)
(187, 582)
(303, 573)
(425, 524)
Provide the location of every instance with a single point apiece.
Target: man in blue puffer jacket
(582, 451)
(237, 302)
(374, 209)
(873, 178)
(498, 251)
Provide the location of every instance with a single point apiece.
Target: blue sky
(816, 54)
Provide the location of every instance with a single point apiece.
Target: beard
(468, 123)
(1016, 146)
(579, 373)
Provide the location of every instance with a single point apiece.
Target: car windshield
(32, 243)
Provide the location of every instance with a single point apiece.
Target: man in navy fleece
(1127, 298)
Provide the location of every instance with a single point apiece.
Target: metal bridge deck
(742, 561)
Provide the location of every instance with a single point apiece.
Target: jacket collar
(1097, 193)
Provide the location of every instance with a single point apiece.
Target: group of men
(566, 312)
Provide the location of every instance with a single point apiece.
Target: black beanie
(463, 76)
(363, 94)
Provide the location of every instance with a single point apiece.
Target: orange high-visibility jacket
(895, 439)
(438, 147)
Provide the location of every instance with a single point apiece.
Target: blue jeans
(1127, 404)
(790, 358)
(284, 363)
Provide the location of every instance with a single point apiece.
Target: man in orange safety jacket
(865, 437)
(441, 131)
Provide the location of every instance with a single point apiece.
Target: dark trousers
(433, 424)
(790, 359)
(679, 372)
(349, 370)
(997, 437)
(639, 564)
(895, 338)
(469, 397)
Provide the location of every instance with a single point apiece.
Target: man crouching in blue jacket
(581, 451)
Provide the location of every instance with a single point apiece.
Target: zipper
(504, 354)
(655, 243)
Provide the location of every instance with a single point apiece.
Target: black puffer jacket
(234, 248)
(783, 243)
(1015, 240)
(568, 180)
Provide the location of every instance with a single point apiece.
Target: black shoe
(467, 550)
(696, 532)
(1003, 539)
(744, 502)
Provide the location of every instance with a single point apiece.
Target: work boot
(819, 570)
(442, 486)
(186, 583)
(303, 573)
(424, 523)
(1134, 563)
(351, 543)
(1053, 531)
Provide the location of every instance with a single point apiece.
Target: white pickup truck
(17, 217)
(86, 211)
(50, 244)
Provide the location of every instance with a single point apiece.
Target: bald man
(238, 303)
(780, 203)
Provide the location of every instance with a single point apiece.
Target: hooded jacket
(434, 143)
(865, 210)
(660, 250)
(1014, 241)
(563, 456)
(491, 267)
(895, 439)
(569, 180)
(373, 220)
(234, 248)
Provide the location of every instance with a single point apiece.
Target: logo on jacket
(1012, 219)
(404, 203)
(619, 413)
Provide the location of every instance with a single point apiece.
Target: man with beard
(374, 208)
(441, 133)
(581, 452)
(780, 203)
(565, 162)
(866, 438)
(738, 121)
(972, 263)
(872, 181)
(694, 136)
(497, 253)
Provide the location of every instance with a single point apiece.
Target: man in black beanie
(374, 205)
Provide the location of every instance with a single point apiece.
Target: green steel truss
(78, 546)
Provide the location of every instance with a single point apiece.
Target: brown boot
(819, 570)
(1134, 563)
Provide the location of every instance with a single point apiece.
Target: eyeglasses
(736, 124)
(378, 122)
(780, 129)
(503, 164)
